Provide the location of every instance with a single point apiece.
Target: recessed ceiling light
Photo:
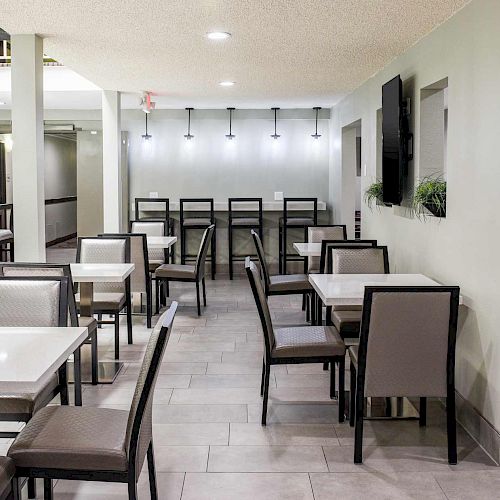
(218, 35)
(226, 84)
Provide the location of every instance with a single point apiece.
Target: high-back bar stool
(304, 220)
(6, 231)
(243, 213)
(169, 221)
(199, 218)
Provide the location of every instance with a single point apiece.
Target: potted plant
(373, 195)
(430, 195)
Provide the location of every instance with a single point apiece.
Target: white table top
(29, 356)
(308, 249)
(101, 273)
(349, 289)
(161, 241)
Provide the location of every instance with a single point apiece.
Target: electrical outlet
(278, 196)
(153, 194)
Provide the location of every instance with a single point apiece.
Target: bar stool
(170, 222)
(299, 221)
(6, 232)
(247, 218)
(200, 219)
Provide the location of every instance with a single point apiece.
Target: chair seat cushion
(347, 321)
(154, 265)
(88, 322)
(176, 271)
(105, 301)
(73, 437)
(245, 221)
(197, 221)
(353, 354)
(307, 341)
(27, 403)
(7, 471)
(297, 221)
(5, 234)
(289, 282)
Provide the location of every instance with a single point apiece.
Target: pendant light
(189, 136)
(316, 135)
(275, 135)
(146, 136)
(230, 136)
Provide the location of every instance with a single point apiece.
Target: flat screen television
(394, 141)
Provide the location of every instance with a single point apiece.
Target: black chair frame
(357, 379)
(231, 227)
(9, 242)
(130, 476)
(128, 301)
(283, 231)
(211, 215)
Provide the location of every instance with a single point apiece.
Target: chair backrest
(7, 216)
(262, 260)
(164, 207)
(203, 251)
(327, 246)
(45, 270)
(316, 234)
(251, 207)
(139, 426)
(359, 260)
(139, 257)
(260, 298)
(184, 206)
(34, 301)
(407, 341)
(100, 250)
(151, 228)
(301, 205)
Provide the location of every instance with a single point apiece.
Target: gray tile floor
(210, 445)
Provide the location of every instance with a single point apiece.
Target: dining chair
(140, 278)
(108, 298)
(97, 444)
(307, 216)
(353, 259)
(186, 272)
(317, 234)
(243, 213)
(196, 220)
(7, 230)
(295, 345)
(7, 473)
(58, 270)
(281, 284)
(33, 302)
(406, 348)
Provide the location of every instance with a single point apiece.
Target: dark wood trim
(57, 201)
(61, 239)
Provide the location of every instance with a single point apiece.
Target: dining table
(308, 249)
(86, 274)
(161, 242)
(30, 356)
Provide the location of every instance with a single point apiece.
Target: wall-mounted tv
(394, 141)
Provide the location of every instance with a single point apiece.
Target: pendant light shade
(189, 136)
(230, 136)
(146, 136)
(275, 135)
(316, 135)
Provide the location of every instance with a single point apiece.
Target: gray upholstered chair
(6, 231)
(36, 269)
(109, 298)
(406, 348)
(97, 444)
(344, 259)
(7, 472)
(302, 344)
(140, 279)
(33, 302)
(185, 272)
(316, 234)
(157, 256)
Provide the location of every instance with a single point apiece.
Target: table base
(107, 371)
(388, 408)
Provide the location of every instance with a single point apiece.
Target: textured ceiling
(282, 52)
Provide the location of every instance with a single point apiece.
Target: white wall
(463, 248)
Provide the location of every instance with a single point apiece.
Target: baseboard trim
(60, 240)
(478, 427)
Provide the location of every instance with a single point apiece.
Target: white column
(111, 160)
(28, 186)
